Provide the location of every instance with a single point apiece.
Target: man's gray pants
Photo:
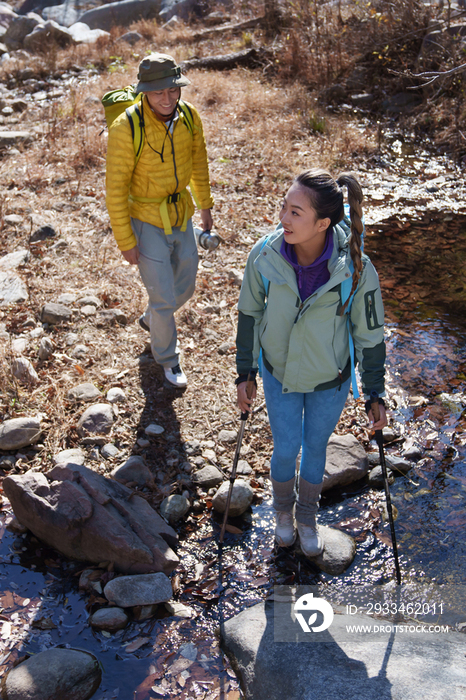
(168, 267)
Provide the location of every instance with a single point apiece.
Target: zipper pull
(299, 311)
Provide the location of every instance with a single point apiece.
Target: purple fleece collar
(313, 276)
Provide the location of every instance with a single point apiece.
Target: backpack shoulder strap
(265, 281)
(135, 116)
(187, 113)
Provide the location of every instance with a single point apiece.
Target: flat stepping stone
(274, 660)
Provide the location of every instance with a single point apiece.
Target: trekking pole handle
(249, 389)
(375, 406)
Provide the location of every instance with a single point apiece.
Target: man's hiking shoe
(143, 324)
(310, 540)
(285, 531)
(176, 376)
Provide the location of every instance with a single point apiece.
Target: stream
(40, 605)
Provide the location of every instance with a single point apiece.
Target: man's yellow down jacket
(183, 159)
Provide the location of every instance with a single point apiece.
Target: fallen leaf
(233, 530)
(44, 623)
(136, 644)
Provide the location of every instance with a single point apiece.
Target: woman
(291, 311)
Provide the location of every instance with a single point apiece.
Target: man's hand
(132, 255)
(206, 218)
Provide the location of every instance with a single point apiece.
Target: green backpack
(127, 100)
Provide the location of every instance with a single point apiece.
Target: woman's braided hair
(326, 196)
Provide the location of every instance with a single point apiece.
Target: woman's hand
(244, 403)
(382, 422)
(132, 255)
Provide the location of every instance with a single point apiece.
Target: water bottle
(206, 239)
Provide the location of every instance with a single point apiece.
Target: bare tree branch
(430, 77)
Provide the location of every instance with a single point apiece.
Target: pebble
(241, 497)
(19, 345)
(227, 436)
(174, 508)
(208, 476)
(179, 609)
(84, 392)
(143, 589)
(89, 581)
(24, 371)
(19, 432)
(109, 451)
(88, 310)
(42, 233)
(413, 453)
(154, 429)
(109, 316)
(71, 338)
(7, 462)
(116, 395)
(98, 440)
(192, 447)
(142, 442)
(36, 332)
(13, 260)
(89, 300)
(71, 456)
(55, 313)
(144, 612)
(390, 434)
(241, 468)
(210, 455)
(80, 351)
(96, 419)
(375, 478)
(134, 469)
(398, 464)
(109, 619)
(236, 277)
(45, 349)
(67, 298)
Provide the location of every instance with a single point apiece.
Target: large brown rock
(90, 518)
(346, 461)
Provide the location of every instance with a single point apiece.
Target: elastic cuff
(368, 404)
(244, 377)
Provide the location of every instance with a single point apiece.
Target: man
(153, 226)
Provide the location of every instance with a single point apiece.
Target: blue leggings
(296, 420)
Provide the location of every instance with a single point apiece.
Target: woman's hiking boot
(285, 530)
(284, 497)
(310, 540)
(307, 506)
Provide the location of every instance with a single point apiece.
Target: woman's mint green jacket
(305, 344)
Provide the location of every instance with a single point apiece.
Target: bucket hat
(158, 71)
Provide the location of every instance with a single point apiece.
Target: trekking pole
(379, 440)
(244, 416)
